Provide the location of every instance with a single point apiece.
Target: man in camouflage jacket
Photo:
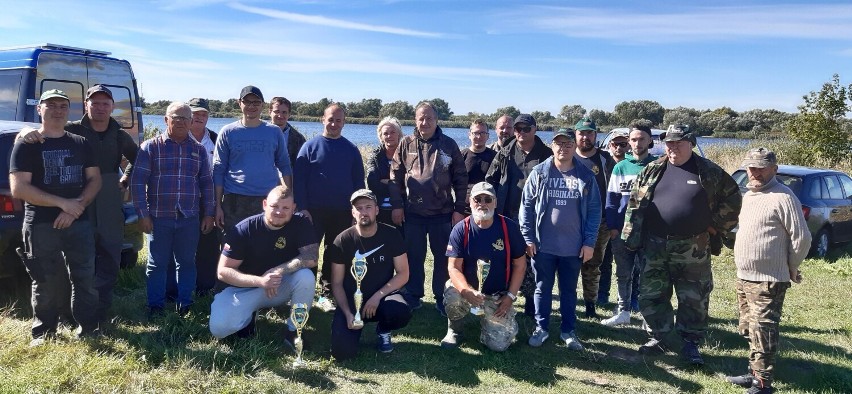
(676, 258)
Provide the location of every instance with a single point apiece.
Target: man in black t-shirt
(266, 262)
(497, 240)
(477, 157)
(383, 248)
(57, 179)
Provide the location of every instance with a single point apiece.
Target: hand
(503, 307)
(146, 225)
(74, 207)
(30, 135)
(473, 297)
(711, 230)
(350, 320)
(270, 281)
(122, 183)
(613, 233)
(457, 217)
(531, 250)
(220, 217)
(371, 306)
(64, 220)
(307, 215)
(586, 253)
(398, 216)
(207, 224)
(795, 276)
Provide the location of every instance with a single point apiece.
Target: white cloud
(335, 23)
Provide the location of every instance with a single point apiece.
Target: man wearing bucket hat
(772, 240)
(496, 240)
(681, 208)
(560, 216)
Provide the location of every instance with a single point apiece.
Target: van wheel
(129, 257)
(821, 243)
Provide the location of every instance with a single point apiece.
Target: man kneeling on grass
(382, 248)
(497, 242)
(266, 262)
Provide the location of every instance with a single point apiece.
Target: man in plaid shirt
(172, 186)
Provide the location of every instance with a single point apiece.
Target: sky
(478, 55)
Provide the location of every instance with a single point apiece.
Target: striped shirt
(172, 179)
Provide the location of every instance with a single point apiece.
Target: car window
(816, 189)
(835, 191)
(793, 182)
(740, 177)
(847, 185)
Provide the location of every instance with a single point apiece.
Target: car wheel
(129, 257)
(821, 243)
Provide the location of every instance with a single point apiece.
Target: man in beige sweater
(772, 241)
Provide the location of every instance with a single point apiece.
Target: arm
(593, 220)
(229, 273)
(357, 169)
(338, 273)
(726, 215)
(374, 181)
(455, 268)
(459, 174)
(396, 185)
(282, 158)
(22, 188)
(495, 171)
(527, 215)
(793, 219)
(519, 268)
(130, 151)
(93, 185)
(307, 258)
(400, 278)
(300, 180)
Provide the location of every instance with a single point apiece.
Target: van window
(10, 92)
(115, 75)
(123, 111)
(75, 91)
(834, 189)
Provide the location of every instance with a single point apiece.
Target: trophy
(359, 271)
(483, 267)
(299, 317)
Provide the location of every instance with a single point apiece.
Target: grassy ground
(179, 355)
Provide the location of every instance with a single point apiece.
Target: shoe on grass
(653, 346)
(620, 318)
(324, 304)
(691, 354)
(745, 381)
(538, 337)
(571, 341)
(591, 313)
(385, 344)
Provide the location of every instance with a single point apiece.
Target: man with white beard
(494, 240)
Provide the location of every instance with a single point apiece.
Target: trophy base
(477, 311)
(299, 363)
(357, 324)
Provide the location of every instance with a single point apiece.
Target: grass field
(179, 355)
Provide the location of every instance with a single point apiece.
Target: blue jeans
(417, 228)
(546, 267)
(173, 240)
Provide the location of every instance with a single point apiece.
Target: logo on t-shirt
(281, 243)
(363, 256)
(498, 245)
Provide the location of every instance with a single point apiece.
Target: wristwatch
(512, 296)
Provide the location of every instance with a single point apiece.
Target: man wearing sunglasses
(509, 172)
(498, 241)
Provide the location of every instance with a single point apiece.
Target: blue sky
(477, 55)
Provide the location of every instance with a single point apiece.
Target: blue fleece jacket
(327, 171)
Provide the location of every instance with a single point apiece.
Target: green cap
(586, 124)
(53, 93)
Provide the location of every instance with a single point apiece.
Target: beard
(586, 146)
(365, 222)
(482, 215)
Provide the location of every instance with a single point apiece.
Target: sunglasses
(483, 199)
(619, 144)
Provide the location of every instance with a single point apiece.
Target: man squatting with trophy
(366, 289)
(486, 263)
(266, 262)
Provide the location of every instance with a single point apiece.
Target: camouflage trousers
(760, 314)
(497, 333)
(682, 265)
(590, 271)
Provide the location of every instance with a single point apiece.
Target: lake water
(362, 134)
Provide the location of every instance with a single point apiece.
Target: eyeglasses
(483, 199)
(178, 118)
(252, 103)
(54, 107)
(563, 145)
(479, 134)
(619, 144)
(525, 129)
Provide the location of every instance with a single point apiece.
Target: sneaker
(385, 345)
(538, 337)
(591, 313)
(690, 353)
(36, 342)
(249, 330)
(454, 334)
(182, 311)
(760, 390)
(634, 305)
(290, 339)
(618, 319)
(415, 304)
(653, 346)
(324, 304)
(571, 341)
(745, 381)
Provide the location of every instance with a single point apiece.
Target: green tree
(682, 115)
(364, 109)
(401, 110)
(542, 116)
(570, 114)
(441, 106)
(603, 118)
(818, 129)
(628, 111)
(510, 110)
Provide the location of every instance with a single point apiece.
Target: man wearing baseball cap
(383, 249)
(560, 216)
(57, 180)
(681, 208)
(484, 237)
(772, 240)
(250, 159)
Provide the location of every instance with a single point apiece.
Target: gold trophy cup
(483, 267)
(359, 271)
(299, 317)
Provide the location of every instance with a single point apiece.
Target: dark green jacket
(295, 140)
(723, 197)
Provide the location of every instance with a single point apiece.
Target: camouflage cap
(760, 158)
(677, 132)
(620, 133)
(362, 193)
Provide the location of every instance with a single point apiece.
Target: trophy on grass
(483, 267)
(359, 271)
(299, 317)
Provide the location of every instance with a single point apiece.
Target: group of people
(242, 213)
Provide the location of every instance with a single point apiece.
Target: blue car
(826, 197)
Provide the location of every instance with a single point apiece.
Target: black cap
(199, 104)
(565, 132)
(98, 89)
(525, 118)
(251, 90)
